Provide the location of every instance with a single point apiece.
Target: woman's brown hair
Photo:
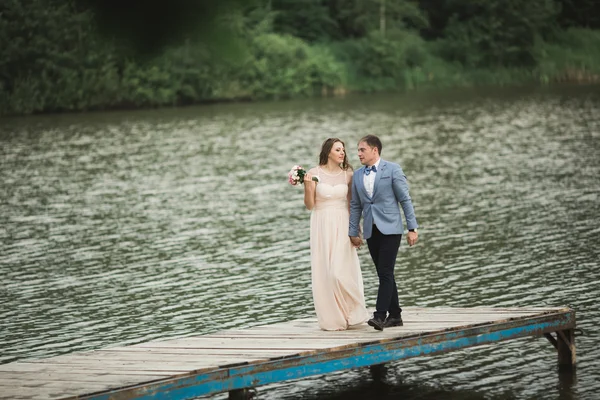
(326, 149)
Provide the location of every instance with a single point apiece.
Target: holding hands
(356, 241)
(411, 239)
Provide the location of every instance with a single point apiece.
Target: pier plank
(154, 365)
(142, 357)
(236, 358)
(26, 378)
(201, 352)
(54, 367)
(268, 344)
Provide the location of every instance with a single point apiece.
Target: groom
(377, 189)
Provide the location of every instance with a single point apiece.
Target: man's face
(366, 154)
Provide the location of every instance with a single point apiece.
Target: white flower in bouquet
(296, 175)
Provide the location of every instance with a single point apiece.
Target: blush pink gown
(337, 283)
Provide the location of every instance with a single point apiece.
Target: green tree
(357, 18)
(437, 13)
(148, 27)
(52, 59)
(580, 13)
(306, 19)
(497, 32)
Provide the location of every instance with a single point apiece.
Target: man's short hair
(372, 141)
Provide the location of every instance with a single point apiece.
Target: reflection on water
(119, 228)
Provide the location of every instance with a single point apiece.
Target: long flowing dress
(337, 282)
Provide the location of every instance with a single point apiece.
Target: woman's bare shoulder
(349, 174)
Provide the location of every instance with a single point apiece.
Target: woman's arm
(310, 190)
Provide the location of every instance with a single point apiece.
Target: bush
(379, 62)
(283, 66)
(574, 56)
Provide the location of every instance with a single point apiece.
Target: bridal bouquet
(296, 175)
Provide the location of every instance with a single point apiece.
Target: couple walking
(337, 201)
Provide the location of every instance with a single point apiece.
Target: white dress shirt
(369, 180)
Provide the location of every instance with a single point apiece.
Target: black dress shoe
(376, 323)
(390, 322)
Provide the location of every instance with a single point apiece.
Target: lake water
(123, 227)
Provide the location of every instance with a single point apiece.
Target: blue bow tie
(369, 169)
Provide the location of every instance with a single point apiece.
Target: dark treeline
(60, 55)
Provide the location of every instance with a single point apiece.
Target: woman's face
(337, 153)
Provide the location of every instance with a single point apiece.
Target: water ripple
(119, 228)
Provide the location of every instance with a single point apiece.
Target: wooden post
(242, 394)
(378, 372)
(566, 349)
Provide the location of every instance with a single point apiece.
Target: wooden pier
(234, 360)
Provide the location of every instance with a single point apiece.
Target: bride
(337, 283)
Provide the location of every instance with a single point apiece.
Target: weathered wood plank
(41, 393)
(351, 333)
(142, 357)
(466, 310)
(149, 366)
(87, 387)
(254, 343)
(50, 390)
(78, 369)
(201, 352)
(25, 378)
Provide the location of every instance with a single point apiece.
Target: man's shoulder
(392, 165)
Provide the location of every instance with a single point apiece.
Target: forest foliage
(68, 55)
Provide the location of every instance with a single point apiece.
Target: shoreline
(569, 77)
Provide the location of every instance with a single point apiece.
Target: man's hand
(356, 241)
(412, 238)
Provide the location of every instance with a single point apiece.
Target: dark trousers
(384, 249)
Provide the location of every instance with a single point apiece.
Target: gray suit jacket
(391, 189)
